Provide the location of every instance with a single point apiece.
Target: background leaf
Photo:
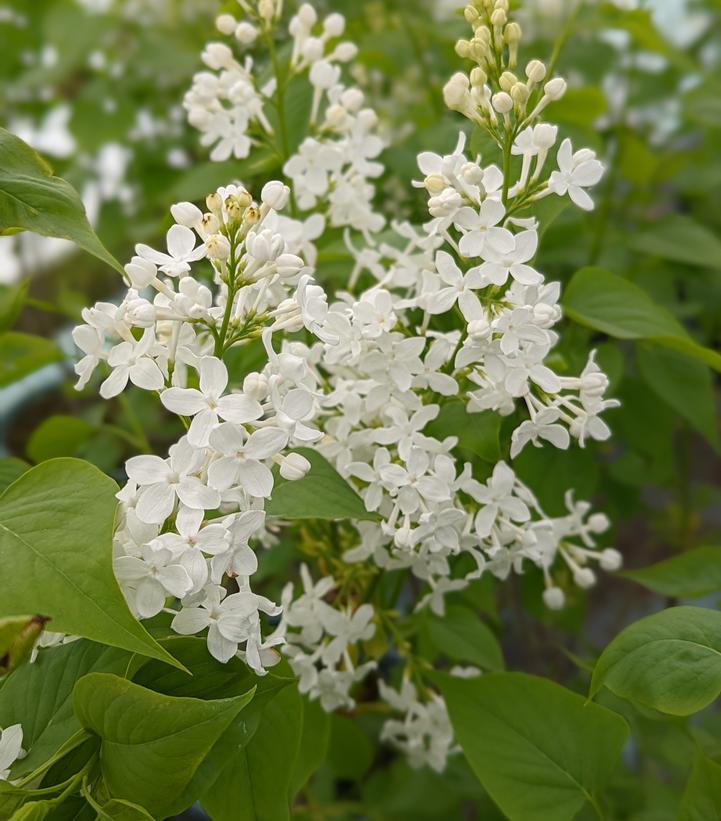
(322, 494)
(670, 661)
(694, 573)
(33, 199)
(539, 750)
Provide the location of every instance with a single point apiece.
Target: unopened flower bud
(434, 184)
(584, 577)
(499, 18)
(535, 71)
(479, 328)
(512, 33)
(275, 195)
(185, 213)
(544, 135)
(610, 559)
(471, 14)
(463, 49)
(266, 10)
(478, 77)
(520, 94)
(255, 386)
(455, 91)
(217, 56)
(294, 467)
(209, 224)
(598, 523)
(502, 102)
(334, 25)
(233, 208)
(345, 52)
(307, 15)
(140, 272)
(251, 216)
(554, 598)
(226, 23)
(507, 80)
(288, 265)
(214, 203)
(246, 33)
(217, 247)
(555, 88)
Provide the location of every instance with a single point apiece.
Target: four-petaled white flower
(208, 405)
(181, 251)
(576, 172)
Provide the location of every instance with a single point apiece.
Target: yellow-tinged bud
(535, 71)
(434, 184)
(512, 33)
(478, 77)
(507, 80)
(214, 203)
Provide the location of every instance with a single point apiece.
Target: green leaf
(670, 661)
(33, 199)
(322, 494)
(56, 531)
(461, 636)
(313, 747)
(680, 239)
(17, 638)
(702, 797)
(58, 436)
(11, 468)
(350, 751)
(21, 354)
(691, 574)
(606, 302)
(255, 783)
(151, 745)
(686, 386)
(39, 696)
(12, 299)
(539, 750)
(477, 432)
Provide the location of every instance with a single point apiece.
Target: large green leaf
(687, 386)
(670, 661)
(256, 783)
(56, 529)
(313, 746)
(31, 198)
(322, 494)
(152, 745)
(462, 636)
(702, 797)
(609, 303)
(39, 696)
(11, 468)
(539, 750)
(680, 239)
(21, 354)
(694, 573)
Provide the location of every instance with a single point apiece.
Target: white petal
(146, 374)
(213, 376)
(181, 241)
(175, 580)
(147, 470)
(190, 620)
(183, 401)
(256, 478)
(201, 427)
(239, 408)
(149, 598)
(193, 493)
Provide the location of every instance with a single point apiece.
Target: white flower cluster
(453, 311)
(319, 638)
(424, 734)
(168, 335)
(331, 169)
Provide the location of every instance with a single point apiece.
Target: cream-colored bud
(233, 208)
(520, 94)
(507, 80)
(434, 184)
(499, 18)
(226, 23)
(217, 247)
(471, 14)
(478, 77)
(251, 216)
(244, 198)
(463, 49)
(455, 91)
(209, 224)
(536, 71)
(512, 33)
(555, 88)
(502, 102)
(214, 203)
(266, 10)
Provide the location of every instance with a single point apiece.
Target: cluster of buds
(492, 94)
